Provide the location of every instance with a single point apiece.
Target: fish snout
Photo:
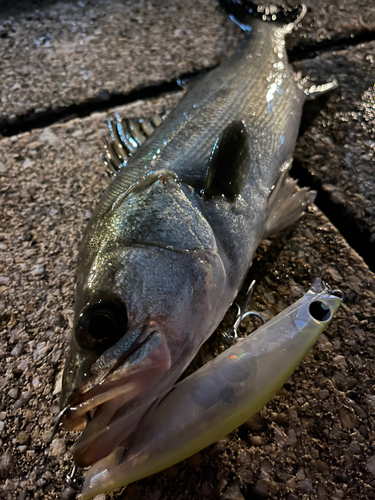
(105, 412)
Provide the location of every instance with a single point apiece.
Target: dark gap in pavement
(31, 120)
(358, 238)
(311, 110)
(310, 51)
(103, 102)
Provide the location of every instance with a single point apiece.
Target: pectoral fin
(286, 203)
(229, 162)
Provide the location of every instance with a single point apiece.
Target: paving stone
(43, 217)
(332, 20)
(51, 178)
(55, 54)
(337, 145)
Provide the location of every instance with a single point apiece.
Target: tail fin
(242, 12)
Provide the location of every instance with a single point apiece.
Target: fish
(173, 236)
(221, 395)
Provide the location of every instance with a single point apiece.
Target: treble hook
(71, 481)
(231, 335)
(338, 293)
(57, 424)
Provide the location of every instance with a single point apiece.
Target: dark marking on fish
(229, 162)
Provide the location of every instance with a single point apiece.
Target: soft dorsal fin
(126, 136)
(229, 162)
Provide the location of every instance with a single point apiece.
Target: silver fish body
(160, 263)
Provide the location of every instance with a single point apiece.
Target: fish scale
(198, 132)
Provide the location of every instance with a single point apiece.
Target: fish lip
(75, 417)
(115, 419)
(137, 344)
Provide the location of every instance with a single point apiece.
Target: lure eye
(101, 325)
(320, 311)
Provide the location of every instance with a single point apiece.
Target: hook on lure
(337, 293)
(231, 335)
(58, 422)
(72, 481)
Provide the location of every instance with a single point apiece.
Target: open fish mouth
(98, 420)
(104, 413)
(77, 416)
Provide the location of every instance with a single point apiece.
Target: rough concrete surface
(337, 144)
(315, 439)
(58, 53)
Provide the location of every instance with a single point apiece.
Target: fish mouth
(109, 413)
(78, 415)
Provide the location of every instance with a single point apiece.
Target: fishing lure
(221, 395)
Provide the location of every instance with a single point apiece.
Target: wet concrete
(337, 142)
(315, 438)
(58, 54)
(61, 53)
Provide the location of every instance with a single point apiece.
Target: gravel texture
(315, 439)
(58, 53)
(70, 52)
(337, 145)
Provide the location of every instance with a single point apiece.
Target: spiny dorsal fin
(229, 162)
(126, 137)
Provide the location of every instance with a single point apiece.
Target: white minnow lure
(221, 395)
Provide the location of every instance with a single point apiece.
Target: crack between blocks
(31, 120)
(357, 238)
(302, 51)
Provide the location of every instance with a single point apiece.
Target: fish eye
(320, 311)
(101, 325)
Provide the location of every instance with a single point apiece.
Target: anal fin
(286, 202)
(126, 137)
